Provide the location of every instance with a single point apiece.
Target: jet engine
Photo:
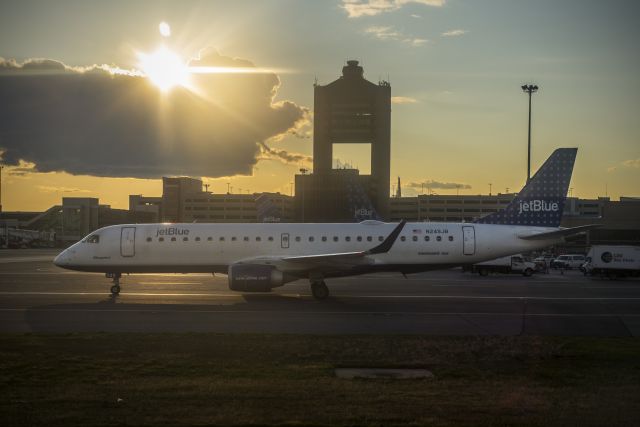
(256, 277)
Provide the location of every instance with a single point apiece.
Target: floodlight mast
(530, 89)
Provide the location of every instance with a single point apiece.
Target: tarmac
(38, 297)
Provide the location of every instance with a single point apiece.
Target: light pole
(530, 89)
(303, 171)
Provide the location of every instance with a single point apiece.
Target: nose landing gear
(115, 289)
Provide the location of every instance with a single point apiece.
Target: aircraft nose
(62, 259)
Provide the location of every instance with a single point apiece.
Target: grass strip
(187, 379)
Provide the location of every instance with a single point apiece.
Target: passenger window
(149, 239)
(403, 238)
(233, 239)
(414, 238)
(246, 239)
(439, 238)
(348, 238)
(359, 238)
(451, 238)
(270, 238)
(185, 239)
(161, 239)
(324, 238)
(210, 239)
(426, 238)
(173, 239)
(369, 238)
(222, 239)
(380, 239)
(335, 238)
(311, 239)
(297, 238)
(197, 239)
(258, 239)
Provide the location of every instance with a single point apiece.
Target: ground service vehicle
(613, 261)
(568, 262)
(507, 264)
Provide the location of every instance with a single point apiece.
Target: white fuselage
(184, 248)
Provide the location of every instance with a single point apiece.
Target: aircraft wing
(330, 261)
(563, 232)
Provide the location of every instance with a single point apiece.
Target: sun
(164, 68)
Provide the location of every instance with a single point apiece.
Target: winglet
(389, 241)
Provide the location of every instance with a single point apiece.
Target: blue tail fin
(541, 201)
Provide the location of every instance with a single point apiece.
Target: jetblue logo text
(172, 231)
(538, 206)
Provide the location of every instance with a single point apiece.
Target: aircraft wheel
(528, 272)
(115, 290)
(319, 290)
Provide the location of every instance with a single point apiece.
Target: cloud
(626, 164)
(104, 121)
(54, 189)
(389, 33)
(403, 100)
(635, 163)
(359, 8)
(269, 153)
(439, 185)
(454, 33)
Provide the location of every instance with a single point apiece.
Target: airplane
(258, 257)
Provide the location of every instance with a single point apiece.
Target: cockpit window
(94, 238)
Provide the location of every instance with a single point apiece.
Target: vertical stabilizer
(541, 201)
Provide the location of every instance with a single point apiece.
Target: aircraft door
(128, 241)
(284, 240)
(468, 240)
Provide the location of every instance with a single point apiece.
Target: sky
(96, 102)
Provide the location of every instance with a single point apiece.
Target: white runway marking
(228, 295)
(26, 259)
(169, 283)
(144, 294)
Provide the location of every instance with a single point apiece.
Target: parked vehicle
(508, 264)
(568, 262)
(613, 261)
(543, 263)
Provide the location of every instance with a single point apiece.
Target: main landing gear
(115, 289)
(319, 289)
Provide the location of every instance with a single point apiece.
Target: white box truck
(613, 261)
(507, 264)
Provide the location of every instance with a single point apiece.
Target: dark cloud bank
(94, 122)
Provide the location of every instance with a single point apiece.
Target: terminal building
(183, 200)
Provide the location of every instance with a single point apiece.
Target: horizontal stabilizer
(564, 232)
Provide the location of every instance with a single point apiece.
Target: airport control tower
(349, 110)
